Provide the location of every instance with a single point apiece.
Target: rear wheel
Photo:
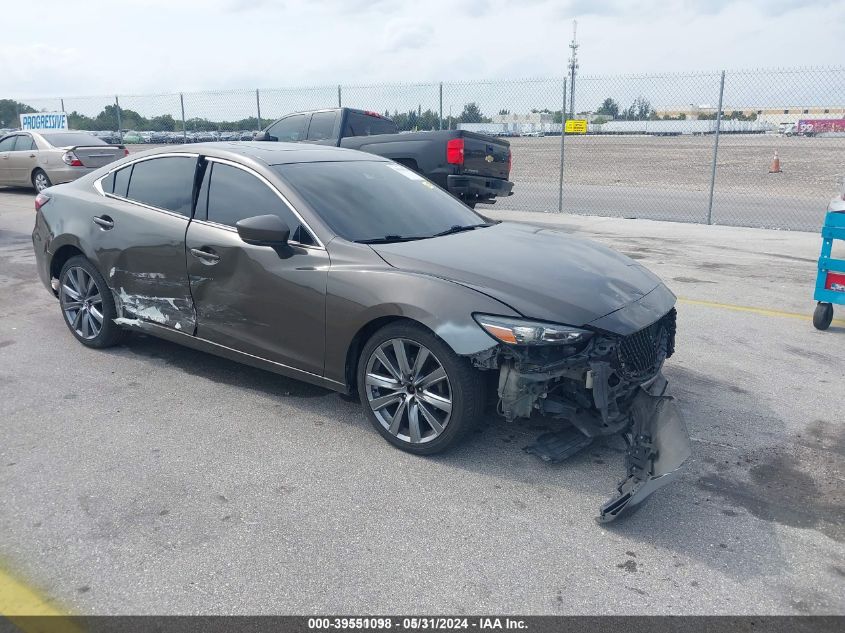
(419, 394)
(87, 304)
(823, 316)
(40, 180)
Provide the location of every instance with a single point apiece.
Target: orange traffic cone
(775, 166)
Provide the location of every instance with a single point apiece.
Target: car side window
(7, 144)
(121, 181)
(164, 183)
(322, 126)
(290, 129)
(234, 194)
(107, 183)
(24, 143)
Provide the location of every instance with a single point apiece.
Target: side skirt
(203, 345)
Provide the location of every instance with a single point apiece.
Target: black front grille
(641, 354)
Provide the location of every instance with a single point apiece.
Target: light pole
(573, 66)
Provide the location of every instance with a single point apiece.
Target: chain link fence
(688, 147)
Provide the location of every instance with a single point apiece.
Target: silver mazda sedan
(44, 159)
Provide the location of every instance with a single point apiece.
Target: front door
(259, 300)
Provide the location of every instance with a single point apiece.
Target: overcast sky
(132, 47)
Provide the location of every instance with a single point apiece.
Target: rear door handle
(104, 222)
(208, 258)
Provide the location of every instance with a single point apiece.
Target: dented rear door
(139, 232)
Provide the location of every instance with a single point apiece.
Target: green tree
(471, 114)
(9, 111)
(609, 108)
(163, 123)
(639, 110)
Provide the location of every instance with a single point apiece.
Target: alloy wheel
(82, 303)
(408, 390)
(41, 182)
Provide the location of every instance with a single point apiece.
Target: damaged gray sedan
(355, 273)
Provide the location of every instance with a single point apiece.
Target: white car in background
(44, 159)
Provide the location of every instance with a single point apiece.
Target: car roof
(273, 153)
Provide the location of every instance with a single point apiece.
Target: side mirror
(264, 136)
(264, 230)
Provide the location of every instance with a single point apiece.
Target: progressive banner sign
(44, 121)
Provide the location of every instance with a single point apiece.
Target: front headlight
(522, 332)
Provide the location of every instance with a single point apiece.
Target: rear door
(6, 147)
(139, 237)
(255, 299)
(22, 160)
(323, 128)
(485, 156)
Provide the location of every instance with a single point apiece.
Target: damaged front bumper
(658, 445)
(613, 385)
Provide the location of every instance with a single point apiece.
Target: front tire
(416, 392)
(87, 304)
(40, 180)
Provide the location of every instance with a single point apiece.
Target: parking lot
(150, 478)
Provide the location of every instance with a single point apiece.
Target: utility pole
(573, 66)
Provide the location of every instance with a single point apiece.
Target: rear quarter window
(121, 181)
(165, 183)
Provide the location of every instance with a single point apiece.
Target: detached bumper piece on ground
(612, 386)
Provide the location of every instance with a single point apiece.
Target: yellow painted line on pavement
(753, 310)
(20, 602)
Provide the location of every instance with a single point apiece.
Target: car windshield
(366, 201)
(71, 139)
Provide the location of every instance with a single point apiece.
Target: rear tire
(40, 180)
(87, 304)
(823, 316)
(416, 392)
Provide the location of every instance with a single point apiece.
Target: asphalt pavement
(151, 478)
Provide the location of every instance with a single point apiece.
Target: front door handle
(104, 222)
(205, 256)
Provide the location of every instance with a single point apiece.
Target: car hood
(542, 273)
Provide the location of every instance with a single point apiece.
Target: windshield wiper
(457, 228)
(389, 239)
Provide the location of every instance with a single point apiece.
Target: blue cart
(830, 282)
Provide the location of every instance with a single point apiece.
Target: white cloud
(161, 46)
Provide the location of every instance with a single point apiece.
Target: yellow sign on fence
(576, 126)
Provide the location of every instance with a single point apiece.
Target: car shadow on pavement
(19, 191)
(723, 512)
(220, 370)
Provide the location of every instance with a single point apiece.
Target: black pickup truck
(470, 166)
